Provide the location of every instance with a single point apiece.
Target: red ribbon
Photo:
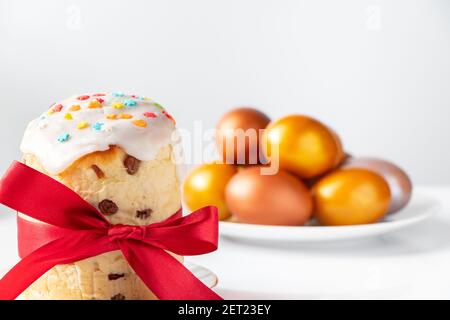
(75, 230)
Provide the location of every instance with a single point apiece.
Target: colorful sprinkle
(140, 123)
(118, 105)
(98, 126)
(84, 97)
(111, 116)
(118, 94)
(98, 95)
(156, 104)
(64, 137)
(94, 104)
(130, 103)
(100, 100)
(82, 125)
(75, 107)
(58, 108)
(125, 116)
(50, 112)
(149, 115)
(168, 116)
(68, 116)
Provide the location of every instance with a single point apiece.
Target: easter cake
(116, 152)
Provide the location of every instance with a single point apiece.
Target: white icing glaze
(143, 143)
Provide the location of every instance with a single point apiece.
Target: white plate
(206, 276)
(420, 208)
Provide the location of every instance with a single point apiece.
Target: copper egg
(239, 134)
(280, 199)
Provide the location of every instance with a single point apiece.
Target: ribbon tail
(60, 251)
(164, 275)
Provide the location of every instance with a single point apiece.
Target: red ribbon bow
(75, 230)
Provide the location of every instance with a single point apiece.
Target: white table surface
(409, 264)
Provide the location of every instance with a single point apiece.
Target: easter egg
(205, 186)
(350, 197)
(238, 135)
(302, 145)
(398, 180)
(279, 199)
(341, 155)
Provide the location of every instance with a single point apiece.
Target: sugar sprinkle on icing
(130, 103)
(98, 126)
(64, 137)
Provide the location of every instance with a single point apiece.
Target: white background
(376, 71)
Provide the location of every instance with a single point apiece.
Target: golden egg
(280, 199)
(398, 180)
(305, 146)
(205, 185)
(238, 135)
(341, 155)
(351, 196)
